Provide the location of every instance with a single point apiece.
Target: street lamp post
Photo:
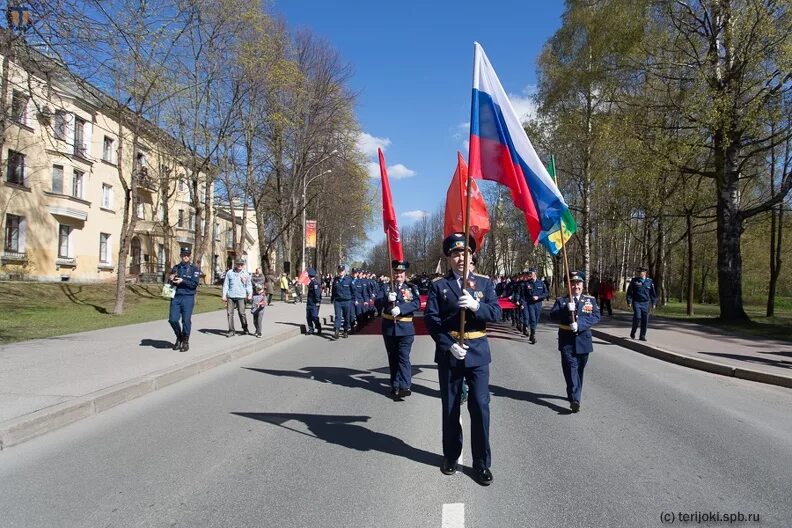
(306, 181)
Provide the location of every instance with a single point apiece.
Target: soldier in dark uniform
(398, 330)
(535, 293)
(640, 293)
(341, 297)
(312, 304)
(575, 316)
(184, 276)
(357, 300)
(468, 362)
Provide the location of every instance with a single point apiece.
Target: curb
(18, 430)
(694, 362)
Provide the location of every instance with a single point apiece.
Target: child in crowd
(258, 302)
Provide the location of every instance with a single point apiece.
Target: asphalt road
(302, 435)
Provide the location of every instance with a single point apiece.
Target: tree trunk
(690, 286)
(129, 219)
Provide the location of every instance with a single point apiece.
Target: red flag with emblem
(388, 214)
(455, 206)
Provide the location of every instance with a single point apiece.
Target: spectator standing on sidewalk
(640, 294)
(257, 305)
(606, 296)
(269, 286)
(575, 316)
(236, 288)
(184, 276)
(284, 286)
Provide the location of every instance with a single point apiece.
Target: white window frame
(68, 239)
(141, 211)
(60, 125)
(55, 170)
(107, 196)
(104, 243)
(20, 117)
(20, 224)
(23, 168)
(78, 183)
(108, 149)
(180, 218)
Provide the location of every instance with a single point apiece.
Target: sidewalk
(700, 347)
(49, 383)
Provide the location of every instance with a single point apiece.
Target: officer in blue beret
(640, 294)
(341, 295)
(402, 299)
(312, 304)
(185, 277)
(468, 361)
(534, 292)
(575, 316)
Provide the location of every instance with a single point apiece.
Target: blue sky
(413, 66)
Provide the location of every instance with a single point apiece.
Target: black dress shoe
(575, 406)
(642, 339)
(335, 334)
(483, 476)
(449, 466)
(404, 392)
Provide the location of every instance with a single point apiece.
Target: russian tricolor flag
(501, 151)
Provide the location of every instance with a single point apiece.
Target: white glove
(571, 307)
(459, 352)
(573, 326)
(466, 301)
(395, 311)
(391, 296)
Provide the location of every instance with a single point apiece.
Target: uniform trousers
(343, 315)
(534, 313)
(478, 406)
(398, 348)
(312, 317)
(181, 306)
(640, 316)
(573, 366)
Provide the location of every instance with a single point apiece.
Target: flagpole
(390, 260)
(465, 266)
(563, 242)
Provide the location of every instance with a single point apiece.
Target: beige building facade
(62, 197)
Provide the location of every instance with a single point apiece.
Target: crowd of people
(458, 309)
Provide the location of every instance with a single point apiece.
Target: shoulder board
(437, 279)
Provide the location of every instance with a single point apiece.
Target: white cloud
(395, 172)
(415, 215)
(399, 171)
(368, 144)
(524, 104)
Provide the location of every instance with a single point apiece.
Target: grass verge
(31, 310)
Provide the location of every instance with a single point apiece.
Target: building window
(192, 221)
(60, 124)
(64, 234)
(80, 148)
(217, 232)
(182, 186)
(104, 248)
(15, 172)
(107, 149)
(77, 184)
(57, 179)
(19, 102)
(160, 213)
(141, 211)
(181, 218)
(12, 233)
(107, 196)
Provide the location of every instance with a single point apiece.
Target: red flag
(388, 214)
(303, 278)
(455, 206)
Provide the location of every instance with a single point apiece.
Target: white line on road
(454, 515)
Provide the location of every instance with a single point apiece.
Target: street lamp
(306, 181)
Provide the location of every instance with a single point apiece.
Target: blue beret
(457, 241)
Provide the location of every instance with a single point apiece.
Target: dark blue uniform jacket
(408, 300)
(587, 315)
(641, 290)
(314, 293)
(442, 318)
(190, 276)
(342, 289)
(531, 288)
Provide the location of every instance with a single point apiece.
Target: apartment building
(61, 194)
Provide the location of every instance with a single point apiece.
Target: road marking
(454, 515)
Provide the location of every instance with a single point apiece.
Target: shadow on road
(155, 343)
(531, 397)
(345, 377)
(341, 430)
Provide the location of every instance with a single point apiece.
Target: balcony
(13, 257)
(146, 185)
(66, 262)
(81, 150)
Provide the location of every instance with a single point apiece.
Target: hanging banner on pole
(310, 233)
